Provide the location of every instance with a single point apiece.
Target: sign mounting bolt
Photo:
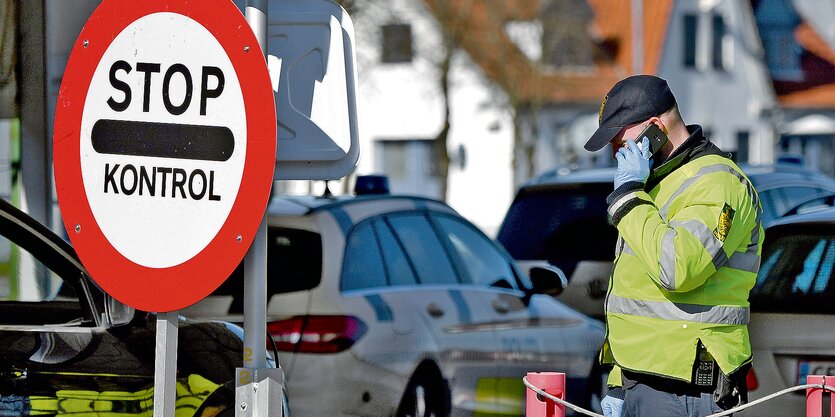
(77, 228)
(239, 239)
(86, 42)
(246, 48)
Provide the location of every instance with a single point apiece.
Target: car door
(535, 333)
(53, 355)
(68, 348)
(464, 347)
(490, 280)
(792, 327)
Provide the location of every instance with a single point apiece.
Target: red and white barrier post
(538, 406)
(814, 396)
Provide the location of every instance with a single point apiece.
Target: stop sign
(164, 148)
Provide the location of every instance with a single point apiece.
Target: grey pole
(34, 120)
(258, 390)
(165, 365)
(638, 36)
(256, 16)
(255, 263)
(255, 300)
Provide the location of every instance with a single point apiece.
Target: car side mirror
(116, 313)
(548, 280)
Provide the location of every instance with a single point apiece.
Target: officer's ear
(660, 123)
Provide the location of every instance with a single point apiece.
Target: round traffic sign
(164, 147)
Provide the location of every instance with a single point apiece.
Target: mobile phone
(656, 138)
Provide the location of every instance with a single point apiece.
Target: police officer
(687, 255)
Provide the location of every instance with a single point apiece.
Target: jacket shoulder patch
(726, 217)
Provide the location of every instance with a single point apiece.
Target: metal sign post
(255, 262)
(318, 138)
(258, 390)
(165, 365)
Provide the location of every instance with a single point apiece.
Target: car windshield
(546, 222)
(796, 275)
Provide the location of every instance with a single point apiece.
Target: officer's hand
(611, 406)
(633, 163)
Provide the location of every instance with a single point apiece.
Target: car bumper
(341, 385)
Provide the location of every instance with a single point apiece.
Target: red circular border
(176, 287)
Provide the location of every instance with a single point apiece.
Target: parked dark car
(561, 220)
(67, 347)
(792, 314)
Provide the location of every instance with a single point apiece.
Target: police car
(385, 305)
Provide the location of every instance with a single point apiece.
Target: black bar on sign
(163, 140)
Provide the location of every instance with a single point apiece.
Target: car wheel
(426, 395)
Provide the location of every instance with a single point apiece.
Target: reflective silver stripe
(621, 201)
(709, 241)
(668, 260)
(718, 167)
(627, 250)
(668, 250)
(622, 247)
(747, 261)
(751, 192)
(701, 232)
(667, 310)
(755, 234)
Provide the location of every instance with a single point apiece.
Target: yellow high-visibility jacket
(687, 256)
(191, 393)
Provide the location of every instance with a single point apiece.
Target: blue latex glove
(611, 406)
(633, 163)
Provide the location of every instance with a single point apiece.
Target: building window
(397, 43)
(691, 24)
(719, 30)
(411, 165)
(394, 159)
(566, 42)
(776, 21)
(742, 138)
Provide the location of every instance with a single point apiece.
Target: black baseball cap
(632, 100)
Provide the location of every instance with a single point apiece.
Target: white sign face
(163, 140)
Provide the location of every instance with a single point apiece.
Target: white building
(722, 58)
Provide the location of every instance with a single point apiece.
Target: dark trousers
(644, 401)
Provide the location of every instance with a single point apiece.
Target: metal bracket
(259, 392)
